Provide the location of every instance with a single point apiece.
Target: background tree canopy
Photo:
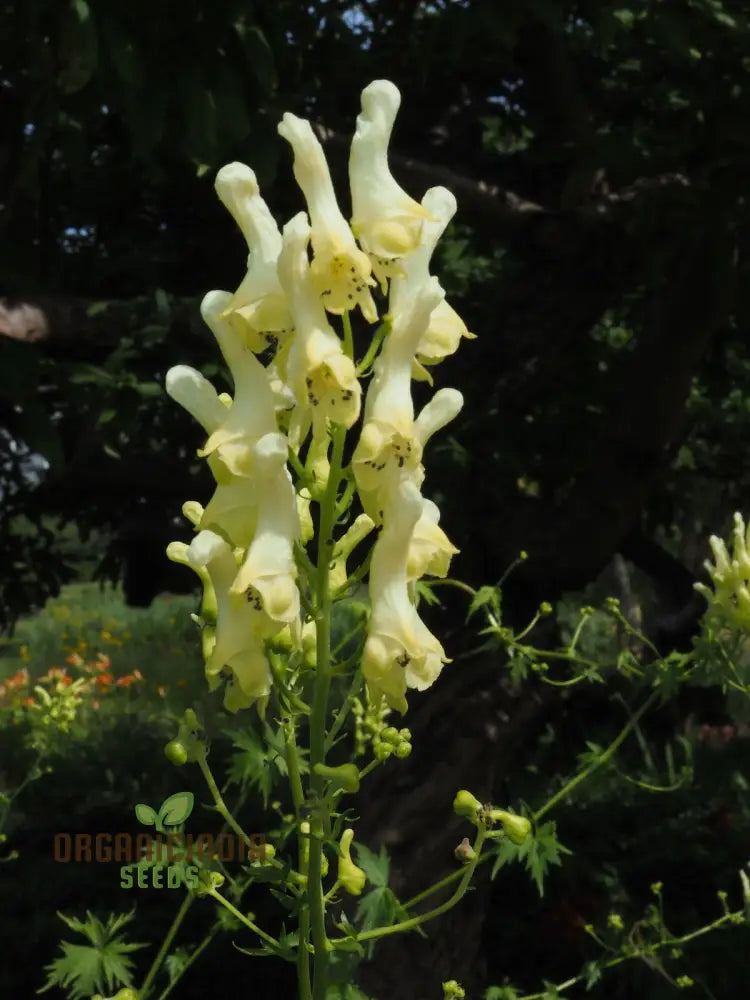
(599, 154)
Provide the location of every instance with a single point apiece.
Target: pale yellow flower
(341, 272)
(321, 377)
(267, 577)
(258, 309)
(236, 641)
(400, 651)
(385, 219)
(252, 413)
(445, 328)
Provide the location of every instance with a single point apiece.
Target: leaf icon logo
(174, 810)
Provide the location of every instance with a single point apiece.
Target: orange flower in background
(103, 662)
(19, 679)
(28, 701)
(129, 679)
(104, 680)
(74, 660)
(56, 674)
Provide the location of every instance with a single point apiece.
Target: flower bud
(127, 994)
(390, 735)
(208, 882)
(345, 776)
(351, 878)
(452, 991)
(465, 852)
(176, 753)
(516, 828)
(403, 750)
(381, 751)
(466, 804)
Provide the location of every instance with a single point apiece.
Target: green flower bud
(345, 776)
(352, 879)
(209, 881)
(466, 804)
(405, 734)
(516, 828)
(403, 750)
(452, 991)
(176, 753)
(390, 735)
(127, 994)
(382, 751)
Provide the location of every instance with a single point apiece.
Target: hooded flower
(341, 272)
(400, 651)
(253, 411)
(240, 628)
(266, 579)
(445, 328)
(258, 309)
(386, 221)
(430, 549)
(322, 378)
(391, 442)
(351, 877)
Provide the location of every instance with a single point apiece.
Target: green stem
(348, 340)
(413, 922)
(319, 714)
(166, 943)
(671, 942)
(345, 709)
(298, 800)
(604, 758)
(372, 350)
(221, 806)
(193, 956)
(214, 894)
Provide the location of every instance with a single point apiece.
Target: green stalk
(604, 758)
(298, 800)
(193, 956)
(166, 943)
(318, 717)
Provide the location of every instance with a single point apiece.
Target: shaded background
(599, 154)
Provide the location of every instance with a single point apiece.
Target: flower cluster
(295, 380)
(730, 598)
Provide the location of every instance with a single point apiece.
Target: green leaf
(375, 866)
(486, 597)
(176, 808)
(537, 852)
(592, 973)
(260, 56)
(78, 52)
(99, 967)
(145, 814)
